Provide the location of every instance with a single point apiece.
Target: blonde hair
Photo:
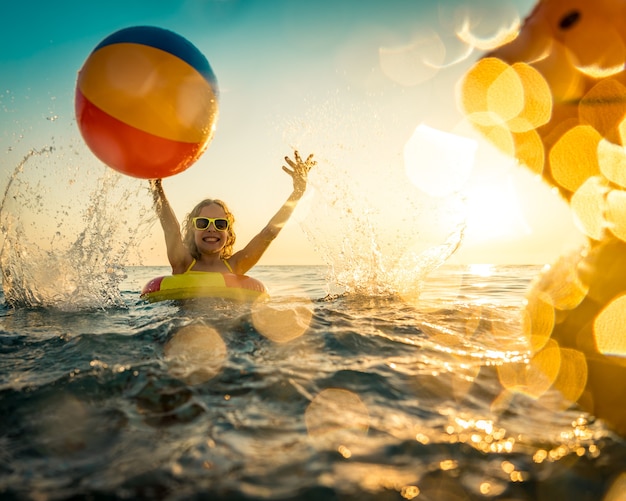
(189, 230)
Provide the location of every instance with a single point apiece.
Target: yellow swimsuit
(189, 270)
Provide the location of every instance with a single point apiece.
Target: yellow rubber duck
(555, 98)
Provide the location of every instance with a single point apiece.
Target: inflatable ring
(203, 285)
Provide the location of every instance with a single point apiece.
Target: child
(207, 240)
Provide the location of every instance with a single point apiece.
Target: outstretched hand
(299, 171)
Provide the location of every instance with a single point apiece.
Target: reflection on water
(376, 397)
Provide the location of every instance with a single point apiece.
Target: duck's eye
(569, 20)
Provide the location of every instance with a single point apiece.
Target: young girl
(207, 240)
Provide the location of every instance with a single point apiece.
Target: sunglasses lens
(221, 224)
(202, 223)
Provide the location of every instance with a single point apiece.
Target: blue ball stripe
(167, 41)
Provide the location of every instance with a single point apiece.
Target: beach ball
(146, 102)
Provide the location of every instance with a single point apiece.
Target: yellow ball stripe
(150, 89)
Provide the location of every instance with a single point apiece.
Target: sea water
(356, 396)
(376, 376)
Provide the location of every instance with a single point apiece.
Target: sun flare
(493, 212)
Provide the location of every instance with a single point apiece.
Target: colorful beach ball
(147, 102)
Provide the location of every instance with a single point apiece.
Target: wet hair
(189, 231)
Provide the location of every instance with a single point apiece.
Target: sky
(368, 86)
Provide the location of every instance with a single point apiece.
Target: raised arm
(177, 254)
(246, 258)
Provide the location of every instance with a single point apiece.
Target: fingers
(307, 164)
(291, 162)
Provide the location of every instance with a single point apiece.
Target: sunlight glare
(438, 163)
(482, 270)
(493, 212)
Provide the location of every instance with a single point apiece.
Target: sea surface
(317, 394)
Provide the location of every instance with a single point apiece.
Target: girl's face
(211, 240)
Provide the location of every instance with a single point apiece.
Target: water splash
(378, 232)
(67, 231)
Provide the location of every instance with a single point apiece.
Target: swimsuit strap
(223, 261)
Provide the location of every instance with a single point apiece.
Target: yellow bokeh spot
(537, 99)
(612, 160)
(543, 369)
(477, 82)
(609, 328)
(410, 492)
(603, 107)
(588, 205)
(538, 320)
(494, 93)
(573, 159)
(507, 104)
(335, 414)
(622, 132)
(505, 95)
(572, 376)
(603, 267)
(535, 377)
(530, 151)
(282, 322)
(195, 353)
(565, 286)
(616, 213)
(499, 135)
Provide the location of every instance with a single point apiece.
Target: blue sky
(328, 76)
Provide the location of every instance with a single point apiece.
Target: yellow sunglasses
(203, 223)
